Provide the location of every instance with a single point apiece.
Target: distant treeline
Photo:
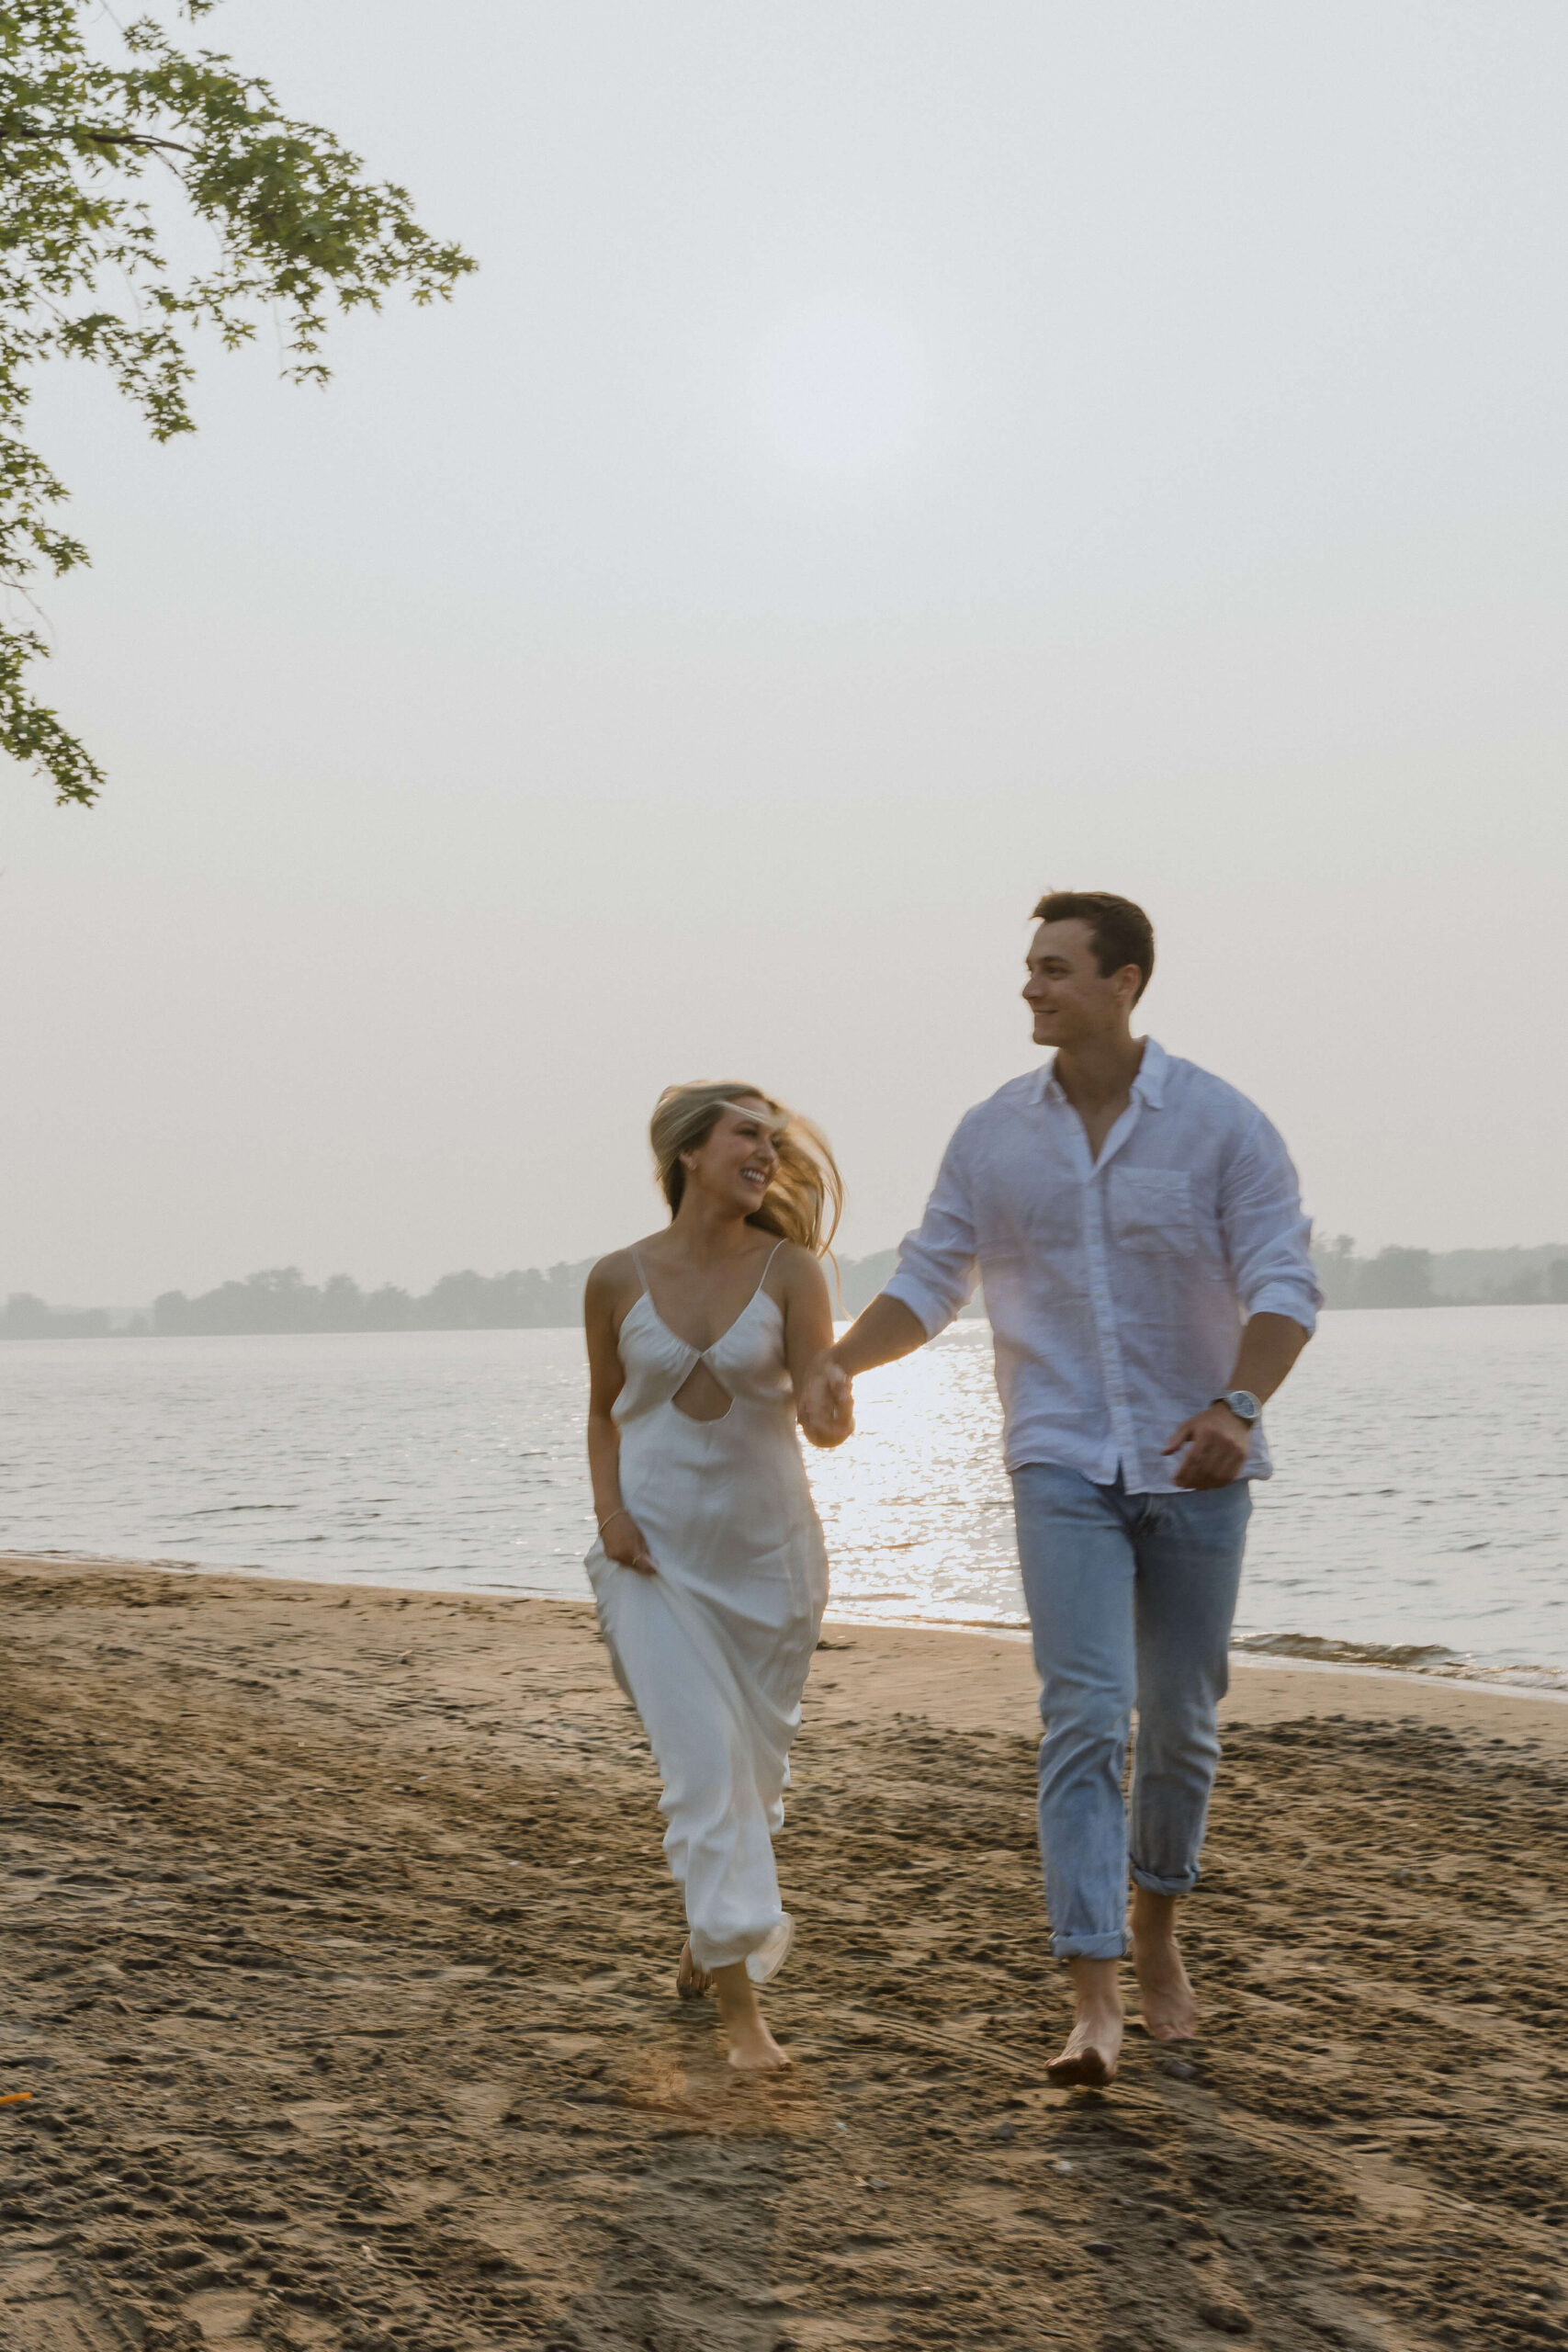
(282, 1300)
(551, 1298)
(1441, 1278)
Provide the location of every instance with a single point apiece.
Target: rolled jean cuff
(1089, 1947)
(1153, 1884)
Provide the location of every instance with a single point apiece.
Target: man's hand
(826, 1406)
(1219, 1441)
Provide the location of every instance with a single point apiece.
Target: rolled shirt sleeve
(937, 1264)
(1268, 1239)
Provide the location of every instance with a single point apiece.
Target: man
(1137, 1227)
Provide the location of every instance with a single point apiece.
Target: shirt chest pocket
(1150, 1210)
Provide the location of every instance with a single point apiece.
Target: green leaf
(86, 111)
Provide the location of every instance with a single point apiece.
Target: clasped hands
(826, 1406)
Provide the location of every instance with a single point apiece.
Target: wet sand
(340, 1962)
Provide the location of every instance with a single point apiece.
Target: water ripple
(1421, 1505)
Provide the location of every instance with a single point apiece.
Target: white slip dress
(713, 1650)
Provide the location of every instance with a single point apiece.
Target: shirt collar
(1147, 1087)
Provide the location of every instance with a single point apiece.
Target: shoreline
(1500, 1681)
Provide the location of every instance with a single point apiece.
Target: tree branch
(99, 138)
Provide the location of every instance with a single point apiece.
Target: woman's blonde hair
(807, 1196)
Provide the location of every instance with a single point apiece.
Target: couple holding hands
(1137, 1227)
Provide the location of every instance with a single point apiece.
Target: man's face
(1070, 999)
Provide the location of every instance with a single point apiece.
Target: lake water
(1420, 1503)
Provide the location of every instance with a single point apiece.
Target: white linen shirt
(1117, 1288)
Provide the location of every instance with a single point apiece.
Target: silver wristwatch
(1243, 1404)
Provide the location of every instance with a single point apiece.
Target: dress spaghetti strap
(764, 1275)
(642, 1278)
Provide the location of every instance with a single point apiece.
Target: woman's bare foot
(752, 2050)
(1165, 1993)
(691, 1982)
(1088, 2058)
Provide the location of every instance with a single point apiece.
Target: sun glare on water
(918, 1510)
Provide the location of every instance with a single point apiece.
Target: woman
(709, 1570)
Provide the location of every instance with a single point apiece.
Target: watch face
(1244, 1403)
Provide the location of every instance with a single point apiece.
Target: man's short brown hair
(1120, 932)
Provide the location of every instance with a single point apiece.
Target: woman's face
(737, 1162)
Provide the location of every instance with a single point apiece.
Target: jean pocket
(1151, 1210)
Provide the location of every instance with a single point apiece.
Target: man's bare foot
(752, 2050)
(1165, 1993)
(1088, 2058)
(691, 1982)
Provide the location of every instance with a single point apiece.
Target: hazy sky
(894, 457)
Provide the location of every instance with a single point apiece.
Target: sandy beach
(340, 1954)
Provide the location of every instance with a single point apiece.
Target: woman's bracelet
(622, 1513)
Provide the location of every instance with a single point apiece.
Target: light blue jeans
(1131, 1598)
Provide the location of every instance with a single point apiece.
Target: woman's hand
(622, 1542)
